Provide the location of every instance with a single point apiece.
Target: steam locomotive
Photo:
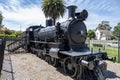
(64, 45)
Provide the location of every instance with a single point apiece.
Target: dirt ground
(29, 67)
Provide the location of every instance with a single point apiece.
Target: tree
(112, 37)
(91, 34)
(53, 9)
(8, 32)
(116, 31)
(104, 25)
(1, 18)
(18, 33)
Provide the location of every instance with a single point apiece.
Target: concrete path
(7, 71)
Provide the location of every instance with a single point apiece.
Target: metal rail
(15, 45)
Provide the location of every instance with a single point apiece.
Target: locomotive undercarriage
(78, 65)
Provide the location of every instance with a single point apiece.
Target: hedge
(9, 37)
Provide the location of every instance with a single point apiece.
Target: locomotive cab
(30, 36)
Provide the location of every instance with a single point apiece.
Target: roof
(2, 28)
(106, 33)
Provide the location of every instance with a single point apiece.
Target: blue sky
(28, 12)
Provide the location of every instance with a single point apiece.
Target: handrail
(15, 45)
(15, 41)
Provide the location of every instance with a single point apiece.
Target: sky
(20, 14)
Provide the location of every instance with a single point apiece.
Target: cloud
(25, 16)
(16, 15)
(99, 11)
(94, 19)
(14, 2)
(28, 12)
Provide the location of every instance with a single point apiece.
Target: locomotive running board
(45, 42)
(73, 53)
(34, 49)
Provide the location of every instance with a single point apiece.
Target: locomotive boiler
(63, 44)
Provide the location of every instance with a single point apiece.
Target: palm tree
(53, 9)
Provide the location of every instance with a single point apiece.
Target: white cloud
(14, 2)
(94, 19)
(15, 15)
(98, 11)
(25, 16)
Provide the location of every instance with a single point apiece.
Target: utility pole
(107, 32)
(20, 28)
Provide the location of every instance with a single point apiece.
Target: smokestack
(71, 11)
(49, 22)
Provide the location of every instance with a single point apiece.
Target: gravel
(29, 67)
(113, 71)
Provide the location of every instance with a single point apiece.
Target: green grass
(112, 52)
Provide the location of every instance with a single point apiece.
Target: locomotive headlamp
(82, 15)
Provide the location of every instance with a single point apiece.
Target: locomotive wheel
(79, 76)
(40, 55)
(99, 75)
(70, 68)
(43, 56)
(33, 52)
(53, 61)
(47, 58)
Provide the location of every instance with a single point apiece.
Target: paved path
(7, 71)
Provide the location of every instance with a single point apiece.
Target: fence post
(2, 48)
(118, 49)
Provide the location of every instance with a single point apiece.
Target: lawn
(112, 52)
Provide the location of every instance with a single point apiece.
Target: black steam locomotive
(64, 44)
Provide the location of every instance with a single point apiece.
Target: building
(103, 34)
(105, 22)
(2, 28)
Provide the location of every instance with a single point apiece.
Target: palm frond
(53, 8)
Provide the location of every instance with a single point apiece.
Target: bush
(2, 35)
(9, 37)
